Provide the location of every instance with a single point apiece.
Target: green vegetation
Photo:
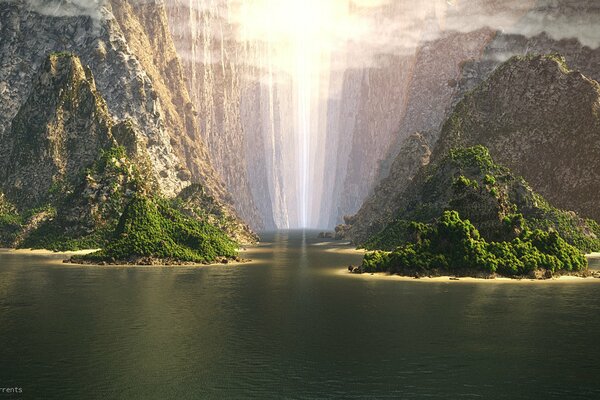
(156, 230)
(500, 205)
(97, 186)
(10, 223)
(113, 209)
(454, 245)
(467, 213)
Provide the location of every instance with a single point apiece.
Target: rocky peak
(540, 119)
(59, 130)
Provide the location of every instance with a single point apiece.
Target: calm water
(289, 326)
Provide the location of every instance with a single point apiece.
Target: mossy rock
(150, 229)
(500, 205)
(451, 245)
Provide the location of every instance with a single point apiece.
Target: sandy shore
(62, 256)
(48, 252)
(450, 279)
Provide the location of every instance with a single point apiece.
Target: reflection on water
(289, 325)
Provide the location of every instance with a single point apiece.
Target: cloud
(357, 32)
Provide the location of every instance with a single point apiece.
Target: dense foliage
(466, 214)
(114, 209)
(500, 205)
(155, 229)
(454, 245)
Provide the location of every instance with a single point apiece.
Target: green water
(291, 326)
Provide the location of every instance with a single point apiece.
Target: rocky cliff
(59, 131)
(489, 52)
(379, 209)
(540, 119)
(464, 214)
(129, 50)
(217, 74)
(72, 172)
(381, 107)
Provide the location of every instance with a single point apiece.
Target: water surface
(289, 325)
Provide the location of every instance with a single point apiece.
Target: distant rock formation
(217, 78)
(381, 107)
(379, 209)
(464, 214)
(540, 119)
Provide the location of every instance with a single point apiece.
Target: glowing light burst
(301, 33)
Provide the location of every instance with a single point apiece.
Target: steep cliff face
(380, 109)
(541, 120)
(73, 172)
(60, 130)
(63, 167)
(382, 99)
(128, 48)
(434, 86)
(219, 80)
(29, 35)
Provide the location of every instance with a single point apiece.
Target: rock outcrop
(59, 131)
(381, 107)
(379, 209)
(128, 48)
(95, 186)
(540, 119)
(466, 215)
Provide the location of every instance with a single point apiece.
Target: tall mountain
(465, 214)
(129, 50)
(537, 117)
(72, 171)
(534, 33)
(540, 119)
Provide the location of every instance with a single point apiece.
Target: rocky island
(74, 178)
(468, 216)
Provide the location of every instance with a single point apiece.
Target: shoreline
(65, 258)
(381, 276)
(458, 279)
(43, 252)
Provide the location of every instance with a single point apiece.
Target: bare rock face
(540, 119)
(219, 81)
(382, 98)
(59, 131)
(381, 107)
(29, 35)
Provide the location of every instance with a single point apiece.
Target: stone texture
(60, 130)
(379, 209)
(540, 119)
(128, 47)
